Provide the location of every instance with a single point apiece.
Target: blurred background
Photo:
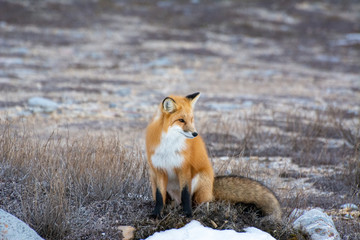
(106, 64)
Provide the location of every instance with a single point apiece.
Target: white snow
(194, 230)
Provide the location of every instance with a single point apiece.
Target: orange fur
(193, 165)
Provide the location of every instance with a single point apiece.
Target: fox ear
(169, 105)
(193, 98)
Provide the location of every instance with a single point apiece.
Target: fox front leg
(185, 188)
(159, 195)
(159, 204)
(186, 201)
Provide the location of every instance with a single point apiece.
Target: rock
(13, 228)
(127, 232)
(39, 104)
(317, 224)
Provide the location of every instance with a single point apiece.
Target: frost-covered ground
(280, 82)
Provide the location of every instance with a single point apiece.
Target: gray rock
(40, 104)
(13, 228)
(317, 224)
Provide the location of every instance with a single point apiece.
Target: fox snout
(190, 134)
(189, 130)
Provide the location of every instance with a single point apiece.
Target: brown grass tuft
(217, 215)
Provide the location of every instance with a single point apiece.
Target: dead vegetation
(82, 186)
(217, 215)
(58, 176)
(329, 139)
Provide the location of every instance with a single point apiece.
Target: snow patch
(194, 230)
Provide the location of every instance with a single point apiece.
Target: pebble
(127, 232)
(317, 224)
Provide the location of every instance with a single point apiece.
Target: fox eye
(181, 120)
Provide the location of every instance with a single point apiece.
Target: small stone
(317, 224)
(127, 232)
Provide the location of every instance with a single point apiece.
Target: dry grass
(352, 138)
(218, 215)
(327, 139)
(59, 175)
(82, 186)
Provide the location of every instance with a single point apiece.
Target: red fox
(179, 164)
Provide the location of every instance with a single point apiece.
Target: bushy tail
(249, 191)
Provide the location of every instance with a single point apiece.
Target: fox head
(178, 114)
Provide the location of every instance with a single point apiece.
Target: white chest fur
(168, 155)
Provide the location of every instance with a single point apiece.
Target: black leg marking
(158, 204)
(168, 199)
(186, 201)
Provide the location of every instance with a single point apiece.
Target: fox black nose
(194, 134)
